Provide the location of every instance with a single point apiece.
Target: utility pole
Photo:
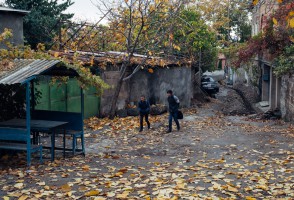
(229, 28)
(199, 66)
(59, 34)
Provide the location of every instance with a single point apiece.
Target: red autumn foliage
(274, 38)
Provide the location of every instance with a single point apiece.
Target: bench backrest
(13, 134)
(75, 120)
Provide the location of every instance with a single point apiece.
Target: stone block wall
(152, 85)
(14, 22)
(287, 97)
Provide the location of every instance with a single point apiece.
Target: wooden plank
(13, 134)
(18, 146)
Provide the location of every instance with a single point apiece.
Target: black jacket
(144, 107)
(173, 103)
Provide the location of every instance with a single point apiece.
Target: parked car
(209, 85)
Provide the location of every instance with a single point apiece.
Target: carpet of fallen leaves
(212, 157)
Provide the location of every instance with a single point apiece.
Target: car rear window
(206, 79)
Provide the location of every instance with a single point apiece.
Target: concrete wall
(287, 97)
(111, 78)
(12, 21)
(240, 76)
(152, 85)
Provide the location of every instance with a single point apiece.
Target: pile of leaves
(125, 124)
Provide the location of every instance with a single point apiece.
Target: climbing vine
(285, 62)
(275, 41)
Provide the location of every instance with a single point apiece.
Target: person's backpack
(180, 115)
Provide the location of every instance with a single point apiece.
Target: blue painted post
(82, 110)
(28, 123)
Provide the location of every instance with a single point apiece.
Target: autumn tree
(138, 26)
(43, 21)
(195, 38)
(11, 52)
(229, 18)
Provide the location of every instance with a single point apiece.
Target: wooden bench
(18, 139)
(74, 128)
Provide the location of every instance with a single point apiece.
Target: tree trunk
(115, 98)
(117, 91)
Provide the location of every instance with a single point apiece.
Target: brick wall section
(287, 97)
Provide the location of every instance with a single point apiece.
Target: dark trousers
(146, 119)
(170, 120)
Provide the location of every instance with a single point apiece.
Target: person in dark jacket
(144, 109)
(173, 104)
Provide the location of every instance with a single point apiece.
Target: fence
(66, 97)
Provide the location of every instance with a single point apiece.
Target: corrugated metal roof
(5, 9)
(24, 69)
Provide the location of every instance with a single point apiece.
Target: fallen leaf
(18, 185)
(92, 193)
(65, 188)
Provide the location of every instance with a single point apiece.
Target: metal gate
(65, 97)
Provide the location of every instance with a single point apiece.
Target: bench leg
(64, 144)
(83, 144)
(41, 154)
(74, 144)
(52, 146)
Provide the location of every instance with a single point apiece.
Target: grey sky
(83, 10)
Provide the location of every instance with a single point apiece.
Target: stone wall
(152, 85)
(15, 22)
(287, 97)
(111, 78)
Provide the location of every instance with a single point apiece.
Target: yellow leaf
(5, 198)
(280, 1)
(291, 23)
(65, 188)
(232, 189)
(69, 194)
(99, 198)
(292, 39)
(250, 198)
(86, 168)
(124, 195)
(19, 185)
(291, 13)
(255, 2)
(151, 71)
(41, 183)
(177, 47)
(92, 61)
(263, 187)
(56, 54)
(23, 197)
(92, 193)
(275, 21)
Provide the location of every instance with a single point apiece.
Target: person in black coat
(173, 105)
(144, 109)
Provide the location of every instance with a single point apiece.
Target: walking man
(144, 109)
(173, 104)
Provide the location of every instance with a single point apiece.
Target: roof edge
(7, 9)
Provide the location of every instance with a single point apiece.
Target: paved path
(212, 157)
